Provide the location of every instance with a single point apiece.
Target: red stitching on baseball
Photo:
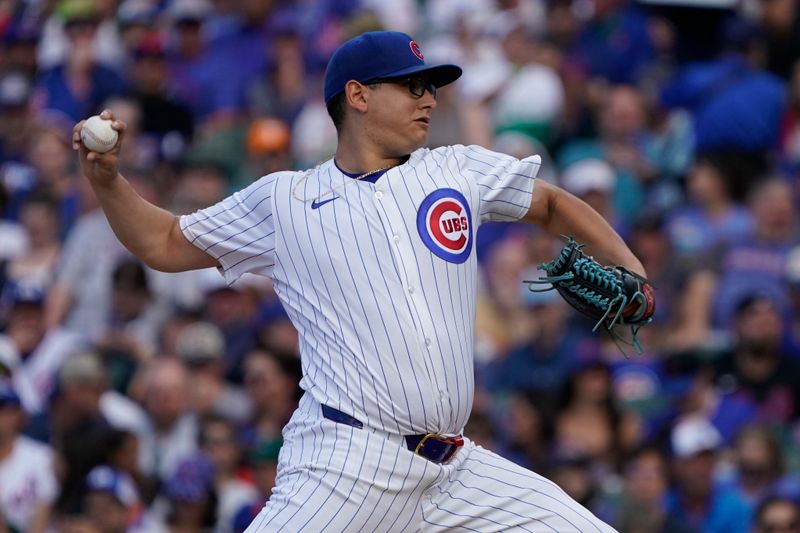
(97, 139)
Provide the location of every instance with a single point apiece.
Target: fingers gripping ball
(609, 295)
(98, 135)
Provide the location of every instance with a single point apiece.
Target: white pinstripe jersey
(380, 282)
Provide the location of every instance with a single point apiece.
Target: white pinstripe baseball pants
(337, 478)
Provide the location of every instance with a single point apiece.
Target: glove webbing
(590, 270)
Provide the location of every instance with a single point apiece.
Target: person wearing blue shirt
(696, 502)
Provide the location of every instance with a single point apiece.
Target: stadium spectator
(224, 307)
(282, 90)
(218, 443)
(696, 502)
(527, 429)
(542, 358)
(263, 459)
(41, 350)
(268, 142)
(78, 84)
(134, 316)
(60, 24)
(36, 267)
(171, 436)
(28, 485)
(587, 422)
(641, 506)
(755, 375)
(271, 383)
(80, 299)
(193, 76)
(777, 515)
(16, 89)
(614, 45)
(201, 347)
(46, 170)
(711, 217)
(760, 463)
(758, 260)
(735, 106)
(164, 117)
(191, 496)
(594, 181)
(111, 502)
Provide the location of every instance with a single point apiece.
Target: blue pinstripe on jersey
(385, 328)
(336, 276)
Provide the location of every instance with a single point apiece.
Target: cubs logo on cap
(444, 222)
(415, 48)
(382, 55)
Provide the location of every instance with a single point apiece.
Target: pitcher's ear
(357, 95)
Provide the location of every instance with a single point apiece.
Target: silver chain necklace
(333, 190)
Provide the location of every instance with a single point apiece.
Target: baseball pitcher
(372, 254)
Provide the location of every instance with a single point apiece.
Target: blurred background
(135, 401)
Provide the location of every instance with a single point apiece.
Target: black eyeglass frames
(416, 86)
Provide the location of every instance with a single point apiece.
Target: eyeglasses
(416, 86)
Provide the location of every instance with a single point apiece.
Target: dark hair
(210, 420)
(288, 363)
(336, 109)
(740, 170)
(643, 450)
(41, 197)
(130, 274)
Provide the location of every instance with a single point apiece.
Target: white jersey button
(396, 238)
(378, 195)
(410, 289)
(427, 342)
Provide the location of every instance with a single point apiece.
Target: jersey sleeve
(239, 231)
(505, 183)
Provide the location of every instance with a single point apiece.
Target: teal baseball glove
(609, 295)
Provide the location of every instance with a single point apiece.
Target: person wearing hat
(40, 350)
(372, 255)
(191, 495)
(268, 142)
(80, 66)
(111, 501)
(28, 485)
(696, 502)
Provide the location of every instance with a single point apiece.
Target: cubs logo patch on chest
(444, 222)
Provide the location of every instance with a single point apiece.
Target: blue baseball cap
(117, 483)
(382, 55)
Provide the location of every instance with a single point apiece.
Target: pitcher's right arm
(150, 233)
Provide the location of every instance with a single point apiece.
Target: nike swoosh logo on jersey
(317, 205)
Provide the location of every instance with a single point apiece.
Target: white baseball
(98, 135)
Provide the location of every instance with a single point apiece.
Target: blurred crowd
(137, 401)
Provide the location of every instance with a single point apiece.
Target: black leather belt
(436, 448)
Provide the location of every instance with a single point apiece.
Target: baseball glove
(608, 295)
